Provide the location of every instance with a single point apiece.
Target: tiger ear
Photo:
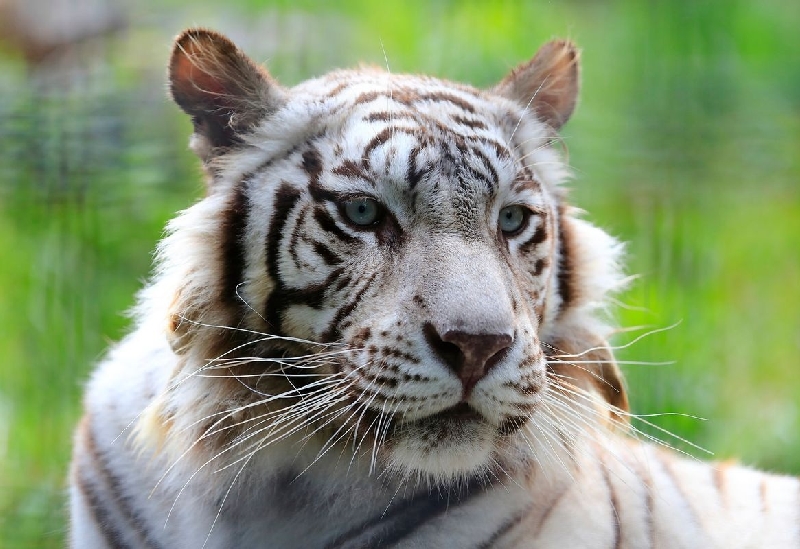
(548, 83)
(588, 365)
(221, 88)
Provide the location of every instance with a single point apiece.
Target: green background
(685, 144)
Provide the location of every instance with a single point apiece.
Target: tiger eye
(512, 219)
(362, 211)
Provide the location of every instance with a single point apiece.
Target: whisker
(321, 395)
(623, 362)
(595, 375)
(267, 337)
(526, 109)
(577, 393)
(613, 348)
(222, 503)
(243, 300)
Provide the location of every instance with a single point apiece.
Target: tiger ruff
(381, 327)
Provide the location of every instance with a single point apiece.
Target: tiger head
(383, 263)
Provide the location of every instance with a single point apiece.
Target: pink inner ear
(191, 80)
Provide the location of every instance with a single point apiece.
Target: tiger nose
(469, 355)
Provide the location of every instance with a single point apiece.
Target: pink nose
(470, 356)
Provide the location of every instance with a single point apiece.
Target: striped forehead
(417, 132)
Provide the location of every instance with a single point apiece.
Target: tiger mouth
(461, 412)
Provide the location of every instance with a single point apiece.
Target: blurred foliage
(685, 144)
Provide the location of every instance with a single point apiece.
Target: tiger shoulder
(383, 326)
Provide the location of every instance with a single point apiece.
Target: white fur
(562, 480)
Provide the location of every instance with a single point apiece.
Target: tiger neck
(350, 509)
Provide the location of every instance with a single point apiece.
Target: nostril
(449, 353)
(469, 355)
(497, 357)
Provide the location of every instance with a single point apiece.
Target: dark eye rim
(527, 213)
(380, 216)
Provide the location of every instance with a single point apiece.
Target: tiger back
(383, 327)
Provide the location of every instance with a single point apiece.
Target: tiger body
(382, 327)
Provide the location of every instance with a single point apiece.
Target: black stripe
(321, 194)
(649, 504)
(339, 88)
(283, 297)
(504, 528)
(404, 96)
(327, 255)
(312, 164)
(538, 236)
(387, 116)
(332, 333)
(651, 519)
(565, 275)
(286, 198)
(234, 222)
(539, 266)
(352, 170)
(468, 173)
(468, 122)
(525, 184)
(413, 175)
(444, 97)
(387, 529)
(389, 233)
(464, 170)
(405, 357)
(296, 233)
(115, 497)
(342, 283)
(368, 97)
(382, 137)
(613, 501)
(660, 460)
(124, 502)
(547, 512)
(500, 150)
(487, 165)
(99, 510)
(327, 224)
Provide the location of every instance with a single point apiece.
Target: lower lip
(459, 412)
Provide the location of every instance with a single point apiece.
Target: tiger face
(383, 263)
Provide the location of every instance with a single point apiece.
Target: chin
(444, 448)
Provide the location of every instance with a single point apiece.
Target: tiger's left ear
(548, 83)
(221, 88)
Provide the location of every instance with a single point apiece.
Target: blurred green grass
(685, 144)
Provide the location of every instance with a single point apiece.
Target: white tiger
(381, 327)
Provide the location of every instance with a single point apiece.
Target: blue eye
(362, 211)
(512, 218)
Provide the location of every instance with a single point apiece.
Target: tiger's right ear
(221, 88)
(548, 83)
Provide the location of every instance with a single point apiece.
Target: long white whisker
(224, 499)
(527, 108)
(588, 407)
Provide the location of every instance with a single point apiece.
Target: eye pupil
(512, 218)
(362, 211)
